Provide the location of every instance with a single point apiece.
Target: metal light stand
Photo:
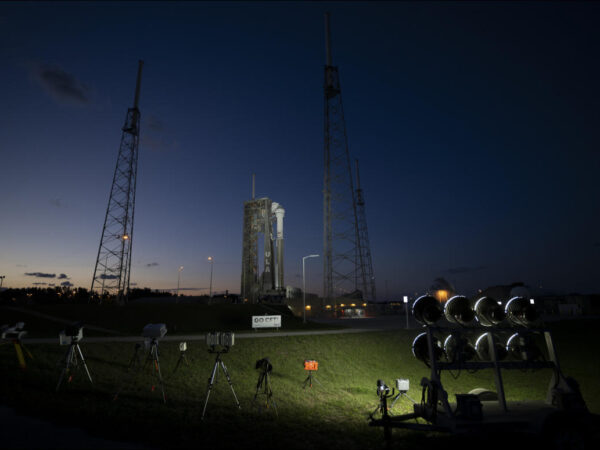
(213, 376)
(71, 360)
(263, 387)
(153, 358)
(309, 379)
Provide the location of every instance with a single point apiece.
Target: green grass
(332, 415)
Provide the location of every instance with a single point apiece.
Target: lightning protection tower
(343, 269)
(366, 271)
(113, 264)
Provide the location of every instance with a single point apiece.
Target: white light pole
(406, 309)
(304, 286)
(178, 279)
(210, 259)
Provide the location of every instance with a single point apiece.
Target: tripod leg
(237, 402)
(210, 385)
(134, 364)
(395, 400)
(160, 380)
(84, 364)
(20, 357)
(269, 391)
(67, 361)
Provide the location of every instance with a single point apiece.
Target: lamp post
(304, 286)
(2, 277)
(210, 259)
(406, 309)
(178, 279)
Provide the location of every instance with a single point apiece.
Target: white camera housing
(154, 330)
(14, 332)
(65, 339)
(182, 346)
(402, 385)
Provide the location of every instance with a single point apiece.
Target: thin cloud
(39, 284)
(61, 85)
(464, 269)
(66, 284)
(108, 277)
(63, 276)
(40, 275)
(152, 264)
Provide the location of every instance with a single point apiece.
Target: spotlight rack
(481, 410)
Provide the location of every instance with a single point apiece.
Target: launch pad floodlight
(520, 346)
(458, 310)
(427, 310)
(458, 348)
(154, 331)
(482, 347)
(16, 332)
(420, 348)
(489, 312)
(71, 334)
(520, 312)
(224, 339)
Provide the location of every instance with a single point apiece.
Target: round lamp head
(458, 348)
(427, 310)
(458, 310)
(420, 348)
(520, 312)
(521, 346)
(482, 347)
(489, 312)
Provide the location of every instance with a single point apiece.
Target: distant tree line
(63, 294)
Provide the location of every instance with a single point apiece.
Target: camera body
(264, 365)
(154, 330)
(311, 364)
(14, 332)
(220, 338)
(71, 334)
(382, 388)
(182, 346)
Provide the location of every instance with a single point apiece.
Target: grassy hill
(331, 415)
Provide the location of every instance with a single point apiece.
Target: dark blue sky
(476, 126)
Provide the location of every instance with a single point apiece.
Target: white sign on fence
(266, 321)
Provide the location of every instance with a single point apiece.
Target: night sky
(476, 126)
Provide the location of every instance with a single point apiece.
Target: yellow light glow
(441, 295)
(210, 258)
(308, 307)
(327, 306)
(342, 305)
(364, 304)
(125, 237)
(353, 304)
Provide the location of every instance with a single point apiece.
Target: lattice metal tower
(342, 262)
(366, 271)
(113, 264)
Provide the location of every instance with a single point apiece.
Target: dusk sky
(476, 126)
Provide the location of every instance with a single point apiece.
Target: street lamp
(2, 277)
(406, 309)
(178, 278)
(304, 287)
(210, 259)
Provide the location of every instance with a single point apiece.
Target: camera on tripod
(71, 334)
(15, 332)
(382, 388)
(224, 339)
(264, 365)
(154, 330)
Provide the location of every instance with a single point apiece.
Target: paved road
(201, 337)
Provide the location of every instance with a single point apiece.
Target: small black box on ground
(468, 406)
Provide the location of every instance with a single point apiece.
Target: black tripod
(213, 377)
(309, 379)
(71, 359)
(263, 387)
(151, 358)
